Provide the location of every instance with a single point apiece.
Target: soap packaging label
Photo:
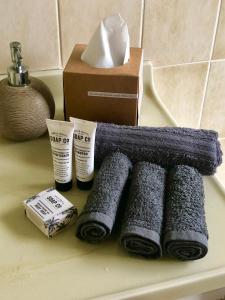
(111, 95)
(50, 211)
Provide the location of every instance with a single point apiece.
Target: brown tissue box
(110, 95)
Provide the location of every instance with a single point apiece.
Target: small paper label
(112, 95)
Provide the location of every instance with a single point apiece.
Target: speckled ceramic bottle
(25, 102)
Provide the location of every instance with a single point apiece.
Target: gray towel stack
(185, 231)
(142, 224)
(166, 146)
(98, 216)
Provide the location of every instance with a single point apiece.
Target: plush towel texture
(185, 230)
(142, 224)
(98, 216)
(166, 146)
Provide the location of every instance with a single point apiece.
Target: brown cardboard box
(105, 95)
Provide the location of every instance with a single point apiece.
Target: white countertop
(35, 267)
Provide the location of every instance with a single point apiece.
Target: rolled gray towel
(142, 224)
(98, 216)
(185, 230)
(166, 146)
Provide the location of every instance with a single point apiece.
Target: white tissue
(110, 45)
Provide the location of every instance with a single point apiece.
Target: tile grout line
(142, 23)
(39, 72)
(181, 64)
(59, 33)
(204, 95)
(216, 28)
(209, 66)
(186, 63)
(145, 62)
(218, 60)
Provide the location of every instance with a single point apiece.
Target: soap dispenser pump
(17, 72)
(25, 101)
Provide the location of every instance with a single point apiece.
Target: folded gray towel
(98, 216)
(166, 146)
(185, 230)
(141, 229)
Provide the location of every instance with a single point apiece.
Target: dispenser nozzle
(15, 48)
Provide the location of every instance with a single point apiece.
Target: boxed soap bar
(110, 95)
(50, 211)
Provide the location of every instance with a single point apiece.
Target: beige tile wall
(219, 48)
(171, 31)
(34, 23)
(181, 88)
(184, 39)
(179, 31)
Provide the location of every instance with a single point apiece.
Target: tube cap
(63, 187)
(82, 185)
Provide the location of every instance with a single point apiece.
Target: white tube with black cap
(61, 139)
(84, 145)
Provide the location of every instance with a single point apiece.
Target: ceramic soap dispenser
(25, 102)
